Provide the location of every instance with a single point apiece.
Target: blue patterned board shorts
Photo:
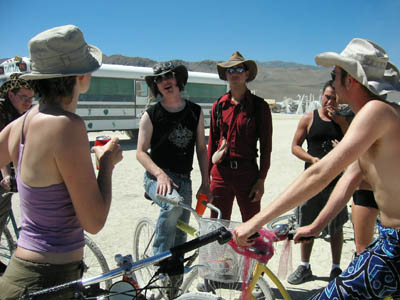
(374, 274)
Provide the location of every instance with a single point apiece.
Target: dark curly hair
(52, 90)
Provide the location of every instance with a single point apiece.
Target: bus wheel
(133, 133)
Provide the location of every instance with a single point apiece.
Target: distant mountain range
(275, 79)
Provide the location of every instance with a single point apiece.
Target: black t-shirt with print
(176, 151)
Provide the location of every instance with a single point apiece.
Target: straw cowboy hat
(237, 59)
(62, 51)
(159, 69)
(368, 63)
(14, 82)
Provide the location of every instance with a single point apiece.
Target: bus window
(141, 88)
(203, 93)
(109, 89)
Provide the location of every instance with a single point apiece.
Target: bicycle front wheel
(95, 262)
(198, 296)
(143, 248)
(7, 246)
(225, 290)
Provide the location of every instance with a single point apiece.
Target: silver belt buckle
(233, 164)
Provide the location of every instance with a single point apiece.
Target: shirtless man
(370, 151)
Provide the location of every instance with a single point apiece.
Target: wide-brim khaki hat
(237, 59)
(368, 63)
(62, 51)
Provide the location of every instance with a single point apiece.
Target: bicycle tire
(280, 220)
(198, 296)
(143, 248)
(95, 262)
(225, 290)
(7, 246)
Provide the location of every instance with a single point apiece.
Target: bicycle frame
(258, 272)
(222, 235)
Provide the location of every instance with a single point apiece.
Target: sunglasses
(232, 70)
(165, 76)
(24, 98)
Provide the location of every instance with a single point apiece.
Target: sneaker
(335, 273)
(302, 274)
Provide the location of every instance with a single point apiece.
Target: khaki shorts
(22, 276)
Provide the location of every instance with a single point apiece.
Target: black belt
(238, 164)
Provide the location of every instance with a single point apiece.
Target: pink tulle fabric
(261, 250)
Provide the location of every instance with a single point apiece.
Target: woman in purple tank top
(59, 193)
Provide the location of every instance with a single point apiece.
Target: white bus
(118, 95)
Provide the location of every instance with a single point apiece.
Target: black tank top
(319, 138)
(176, 151)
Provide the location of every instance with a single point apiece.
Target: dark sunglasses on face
(232, 70)
(165, 76)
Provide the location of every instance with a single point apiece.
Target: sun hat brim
(91, 64)
(388, 83)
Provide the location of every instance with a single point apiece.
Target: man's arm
(365, 129)
(212, 133)
(338, 199)
(202, 158)
(164, 182)
(264, 125)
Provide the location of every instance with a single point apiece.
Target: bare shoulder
(378, 110)
(307, 119)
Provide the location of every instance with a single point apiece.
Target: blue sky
(264, 30)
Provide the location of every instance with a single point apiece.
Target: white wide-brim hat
(368, 63)
(61, 51)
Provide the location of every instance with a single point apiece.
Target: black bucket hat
(181, 75)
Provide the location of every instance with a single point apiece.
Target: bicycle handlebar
(178, 201)
(222, 235)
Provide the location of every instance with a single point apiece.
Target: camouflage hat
(14, 82)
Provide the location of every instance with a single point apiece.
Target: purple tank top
(48, 219)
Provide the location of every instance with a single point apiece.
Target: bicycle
(144, 236)
(124, 289)
(227, 289)
(94, 260)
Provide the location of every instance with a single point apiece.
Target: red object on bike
(261, 250)
(200, 207)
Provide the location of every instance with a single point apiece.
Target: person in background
(60, 197)
(18, 96)
(362, 76)
(172, 130)
(239, 120)
(321, 129)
